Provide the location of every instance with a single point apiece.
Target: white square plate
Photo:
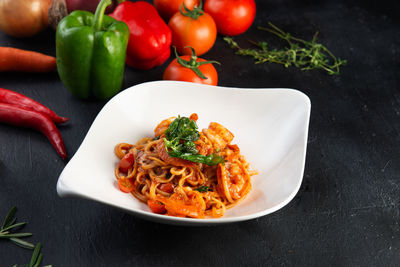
(270, 127)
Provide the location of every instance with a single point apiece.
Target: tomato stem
(195, 13)
(193, 64)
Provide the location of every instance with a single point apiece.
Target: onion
(23, 18)
(61, 8)
(57, 11)
(88, 5)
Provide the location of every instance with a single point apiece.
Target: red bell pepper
(150, 38)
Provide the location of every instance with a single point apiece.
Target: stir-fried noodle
(180, 187)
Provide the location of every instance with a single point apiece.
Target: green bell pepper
(91, 51)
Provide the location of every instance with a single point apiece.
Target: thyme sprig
(306, 55)
(9, 225)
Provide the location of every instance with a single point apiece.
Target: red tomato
(232, 17)
(194, 117)
(125, 185)
(156, 206)
(177, 72)
(167, 8)
(126, 162)
(168, 188)
(198, 33)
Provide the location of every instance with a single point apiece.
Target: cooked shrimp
(218, 135)
(233, 181)
(203, 145)
(163, 126)
(190, 204)
(231, 152)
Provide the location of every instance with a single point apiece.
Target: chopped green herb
(182, 128)
(212, 159)
(179, 142)
(203, 189)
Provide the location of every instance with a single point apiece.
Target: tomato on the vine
(233, 17)
(192, 28)
(167, 8)
(191, 69)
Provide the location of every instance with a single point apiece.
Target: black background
(347, 211)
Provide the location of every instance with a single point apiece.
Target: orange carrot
(13, 59)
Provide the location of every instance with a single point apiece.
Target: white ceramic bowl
(270, 127)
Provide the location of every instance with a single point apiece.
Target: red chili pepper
(16, 99)
(22, 117)
(149, 39)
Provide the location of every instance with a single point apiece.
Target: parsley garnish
(203, 189)
(179, 142)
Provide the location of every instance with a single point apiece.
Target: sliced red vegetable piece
(125, 185)
(126, 162)
(156, 206)
(168, 188)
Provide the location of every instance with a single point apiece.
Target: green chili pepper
(91, 51)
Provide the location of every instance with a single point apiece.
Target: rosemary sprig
(305, 55)
(10, 224)
(36, 258)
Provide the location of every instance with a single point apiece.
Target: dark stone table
(347, 212)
